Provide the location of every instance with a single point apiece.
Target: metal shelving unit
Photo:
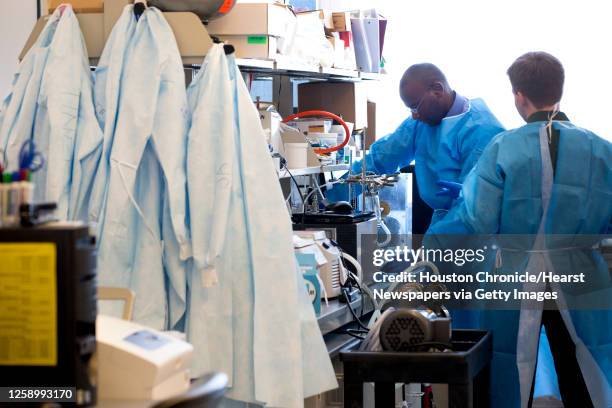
(307, 171)
(300, 70)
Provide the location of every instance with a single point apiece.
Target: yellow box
(28, 304)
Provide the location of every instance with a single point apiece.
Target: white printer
(138, 363)
(327, 255)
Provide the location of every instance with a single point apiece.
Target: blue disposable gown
(52, 103)
(447, 151)
(139, 196)
(503, 194)
(248, 314)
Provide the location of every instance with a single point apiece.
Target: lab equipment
(351, 233)
(308, 267)
(243, 253)
(414, 329)
(48, 308)
(48, 126)
(205, 9)
(579, 203)
(333, 217)
(447, 151)
(135, 362)
(370, 186)
(340, 207)
(139, 196)
(330, 267)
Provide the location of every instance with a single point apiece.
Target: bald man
(445, 135)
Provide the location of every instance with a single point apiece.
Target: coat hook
(139, 8)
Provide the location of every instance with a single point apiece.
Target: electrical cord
(284, 166)
(350, 307)
(297, 186)
(355, 333)
(352, 280)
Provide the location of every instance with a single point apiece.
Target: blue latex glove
(448, 188)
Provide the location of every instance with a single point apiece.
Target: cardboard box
(341, 21)
(253, 19)
(347, 99)
(371, 133)
(79, 6)
(252, 46)
(312, 125)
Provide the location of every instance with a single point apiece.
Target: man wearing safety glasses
(445, 135)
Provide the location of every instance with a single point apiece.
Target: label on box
(146, 339)
(28, 304)
(257, 39)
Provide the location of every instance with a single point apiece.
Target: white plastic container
(296, 155)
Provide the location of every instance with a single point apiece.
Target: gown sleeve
(478, 209)
(392, 152)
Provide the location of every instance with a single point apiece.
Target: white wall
(17, 18)
(474, 42)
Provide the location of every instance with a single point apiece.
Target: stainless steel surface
(336, 342)
(336, 314)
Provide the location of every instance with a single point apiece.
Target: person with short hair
(445, 135)
(547, 177)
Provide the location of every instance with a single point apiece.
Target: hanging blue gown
(249, 315)
(139, 197)
(51, 103)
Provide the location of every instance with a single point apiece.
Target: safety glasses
(415, 111)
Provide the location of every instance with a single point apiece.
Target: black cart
(466, 370)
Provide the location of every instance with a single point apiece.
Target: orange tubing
(327, 115)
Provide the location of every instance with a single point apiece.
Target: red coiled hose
(326, 114)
